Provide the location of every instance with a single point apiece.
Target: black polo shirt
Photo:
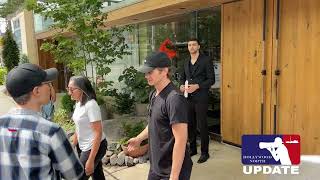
(167, 108)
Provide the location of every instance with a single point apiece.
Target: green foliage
(136, 84)
(9, 7)
(24, 59)
(61, 117)
(10, 52)
(124, 102)
(92, 44)
(3, 73)
(100, 100)
(131, 130)
(67, 103)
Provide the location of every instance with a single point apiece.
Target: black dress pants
(197, 113)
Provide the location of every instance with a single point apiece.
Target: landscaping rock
(142, 159)
(105, 160)
(128, 161)
(135, 161)
(112, 146)
(121, 157)
(113, 159)
(109, 153)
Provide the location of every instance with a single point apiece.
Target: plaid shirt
(32, 147)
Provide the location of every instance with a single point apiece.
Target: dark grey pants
(98, 171)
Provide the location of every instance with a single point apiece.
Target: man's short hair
(194, 39)
(23, 99)
(170, 74)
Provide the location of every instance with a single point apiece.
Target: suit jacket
(202, 74)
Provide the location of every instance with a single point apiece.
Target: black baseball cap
(155, 60)
(23, 78)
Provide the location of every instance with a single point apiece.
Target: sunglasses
(70, 89)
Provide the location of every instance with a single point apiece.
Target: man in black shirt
(199, 72)
(167, 130)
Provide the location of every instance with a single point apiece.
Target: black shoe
(192, 153)
(203, 158)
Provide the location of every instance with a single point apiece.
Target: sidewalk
(6, 103)
(224, 164)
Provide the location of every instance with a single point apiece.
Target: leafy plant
(100, 99)
(3, 73)
(124, 103)
(24, 59)
(131, 130)
(91, 43)
(62, 119)
(136, 84)
(10, 52)
(67, 103)
(9, 7)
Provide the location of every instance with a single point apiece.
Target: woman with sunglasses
(89, 137)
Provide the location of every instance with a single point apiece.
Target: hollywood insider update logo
(261, 151)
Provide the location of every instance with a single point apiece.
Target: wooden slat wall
(46, 61)
(299, 83)
(242, 56)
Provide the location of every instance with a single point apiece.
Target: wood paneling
(242, 60)
(298, 62)
(46, 61)
(148, 10)
(153, 9)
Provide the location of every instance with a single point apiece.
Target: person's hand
(133, 143)
(89, 168)
(182, 88)
(192, 87)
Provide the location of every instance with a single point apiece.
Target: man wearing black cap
(167, 130)
(31, 146)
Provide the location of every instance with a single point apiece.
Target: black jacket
(203, 75)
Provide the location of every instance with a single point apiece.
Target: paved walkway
(224, 164)
(6, 103)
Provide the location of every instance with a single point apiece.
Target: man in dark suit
(199, 72)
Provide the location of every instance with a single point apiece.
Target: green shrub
(3, 73)
(10, 52)
(136, 84)
(100, 100)
(67, 103)
(131, 130)
(61, 117)
(24, 59)
(124, 103)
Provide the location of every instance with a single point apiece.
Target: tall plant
(91, 43)
(10, 52)
(10, 6)
(136, 84)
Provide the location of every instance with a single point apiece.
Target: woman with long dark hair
(89, 137)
